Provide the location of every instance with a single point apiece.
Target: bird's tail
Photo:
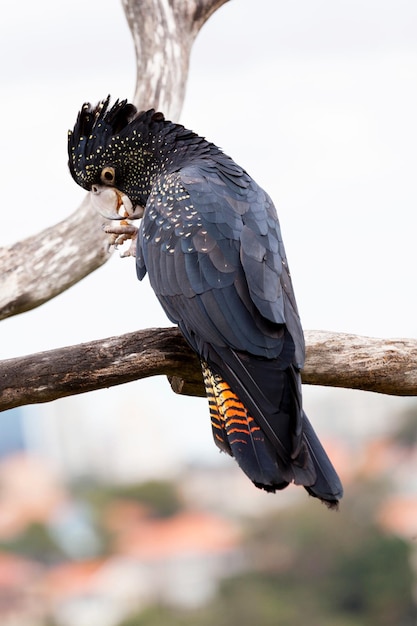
(327, 485)
(236, 432)
(271, 446)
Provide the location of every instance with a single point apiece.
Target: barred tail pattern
(231, 423)
(236, 432)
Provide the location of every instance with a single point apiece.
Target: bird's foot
(120, 233)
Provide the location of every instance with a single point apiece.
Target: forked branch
(37, 269)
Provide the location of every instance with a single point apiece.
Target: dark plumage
(211, 244)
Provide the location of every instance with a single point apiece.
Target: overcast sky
(317, 99)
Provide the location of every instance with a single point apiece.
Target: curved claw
(120, 233)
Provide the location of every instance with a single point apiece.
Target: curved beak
(113, 204)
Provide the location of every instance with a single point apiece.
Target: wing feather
(216, 261)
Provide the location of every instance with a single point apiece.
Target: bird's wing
(217, 236)
(212, 247)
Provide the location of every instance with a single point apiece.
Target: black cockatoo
(211, 244)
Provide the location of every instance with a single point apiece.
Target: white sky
(316, 99)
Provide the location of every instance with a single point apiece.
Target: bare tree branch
(40, 267)
(163, 36)
(96, 365)
(341, 360)
(333, 359)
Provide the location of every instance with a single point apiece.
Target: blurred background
(115, 507)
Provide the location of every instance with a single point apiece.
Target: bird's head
(108, 158)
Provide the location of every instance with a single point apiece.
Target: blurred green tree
(308, 566)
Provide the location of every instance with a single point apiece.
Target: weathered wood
(95, 365)
(163, 35)
(333, 359)
(37, 269)
(40, 267)
(342, 360)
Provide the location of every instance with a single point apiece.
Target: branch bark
(337, 360)
(42, 266)
(163, 36)
(386, 366)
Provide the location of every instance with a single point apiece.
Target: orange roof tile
(71, 578)
(29, 493)
(187, 532)
(398, 515)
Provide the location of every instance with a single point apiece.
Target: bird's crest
(98, 130)
(94, 128)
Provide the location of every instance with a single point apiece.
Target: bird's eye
(108, 175)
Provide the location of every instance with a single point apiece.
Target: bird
(210, 241)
